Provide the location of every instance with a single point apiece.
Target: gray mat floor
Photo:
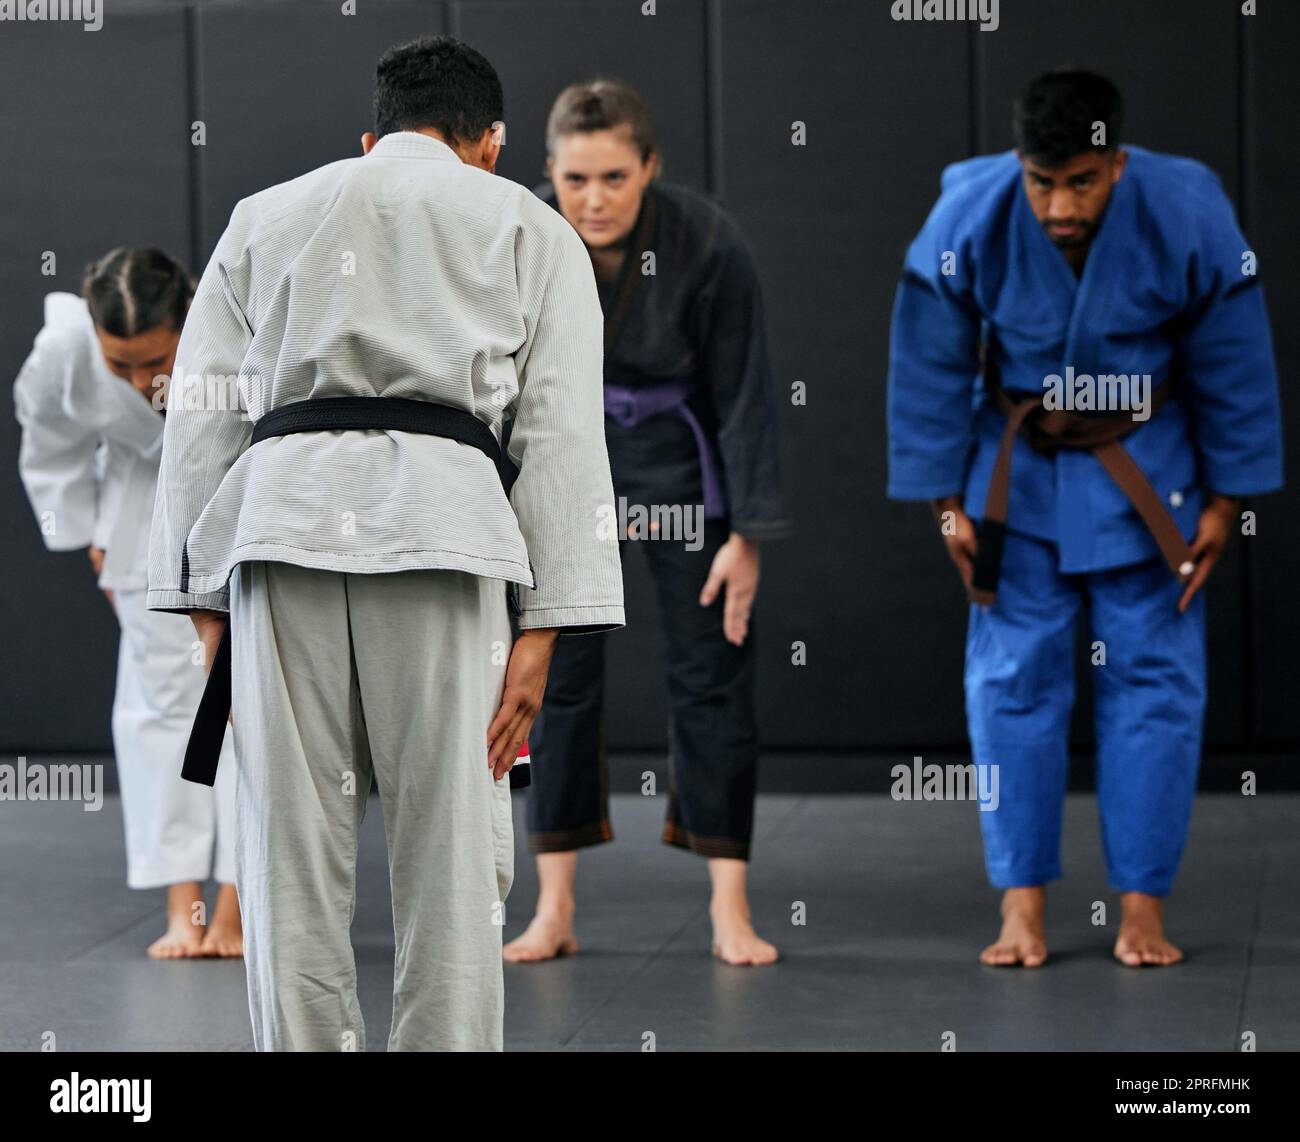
(896, 910)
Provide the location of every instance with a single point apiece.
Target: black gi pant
(712, 736)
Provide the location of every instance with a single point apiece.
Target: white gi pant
(337, 676)
(171, 824)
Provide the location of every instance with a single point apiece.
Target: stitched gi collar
(412, 145)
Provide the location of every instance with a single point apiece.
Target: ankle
(557, 906)
(1141, 904)
(729, 907)
(1024, 901)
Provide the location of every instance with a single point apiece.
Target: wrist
(540, 634)
(945, 504)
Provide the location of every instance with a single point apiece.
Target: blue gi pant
(1150, 704)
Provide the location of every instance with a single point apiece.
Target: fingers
(1195, 583)
(504, 751)
(502, 719)
(500, 731)
(507, 733)
(712, 585)
(969, 541)
(965, 565)
(964, 560)
(735, 617)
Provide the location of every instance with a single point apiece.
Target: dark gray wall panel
(1273, 94)
(103, 120)
(285, 88)
(865, 583)
(98, 140)
(1174, 60)
(539, 49)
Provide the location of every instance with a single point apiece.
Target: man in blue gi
(1082, 384)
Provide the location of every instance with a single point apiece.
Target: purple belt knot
(630, 405)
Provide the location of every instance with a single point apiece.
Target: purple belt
(630, 405)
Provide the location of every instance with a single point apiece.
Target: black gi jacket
(699, 319)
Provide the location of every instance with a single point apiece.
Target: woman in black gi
(691, 424)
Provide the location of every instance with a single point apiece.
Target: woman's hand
(530, 662)
(735, 567)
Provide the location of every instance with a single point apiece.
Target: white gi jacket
(403, 273)
(90, 446)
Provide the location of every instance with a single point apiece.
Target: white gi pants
(171, 824)
(337, 676)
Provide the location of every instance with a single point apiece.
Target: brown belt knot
(1049, 431)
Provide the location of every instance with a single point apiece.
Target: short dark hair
(1056, 115)
(133, 289)
(599, 105)
(436, 82)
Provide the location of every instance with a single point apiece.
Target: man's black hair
(1056, 116)
(436, 82)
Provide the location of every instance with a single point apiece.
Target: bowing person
(89, 400)
(692, 428)
(1121, 273)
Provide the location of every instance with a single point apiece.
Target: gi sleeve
(57, 454)
(563, 496)
(113, 468)
(1227, 355)
(206, 427)
(738, 377)
(933, 361)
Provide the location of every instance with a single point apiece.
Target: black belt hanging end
(209, 731)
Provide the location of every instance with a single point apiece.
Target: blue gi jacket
(1166, 287)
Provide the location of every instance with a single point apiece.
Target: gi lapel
(1093, 301)
(628, 281)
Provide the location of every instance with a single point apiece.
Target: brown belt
(1049, 431)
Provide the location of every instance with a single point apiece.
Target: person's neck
(606, 260)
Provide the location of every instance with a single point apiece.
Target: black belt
(323, 414)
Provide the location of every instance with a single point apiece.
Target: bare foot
(734, 938)
(183, 936)
(181, 941)
(1022, 939)
(1142, 933)
(225, 935)
(549, 934)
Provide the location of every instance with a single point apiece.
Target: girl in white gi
(92, 434)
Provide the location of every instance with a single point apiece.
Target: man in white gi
(376, 312)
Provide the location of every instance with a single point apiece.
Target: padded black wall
(98, 133)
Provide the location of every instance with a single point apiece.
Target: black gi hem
(731, 848)
(566, 840)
